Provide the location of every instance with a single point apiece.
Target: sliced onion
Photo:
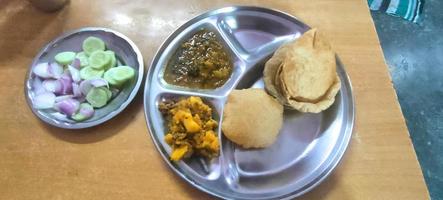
(63, 97)
(67, 84)
(42, 70)
(87, 85)
(76, 63)
(86, 110)
(99, 82)
(44, 100)
(68, 106)
(81, 98)
(55, 70)
(75, 73)
(37, 86)
(54, 86)
(66, 75)
(76, 90)
(59, 116)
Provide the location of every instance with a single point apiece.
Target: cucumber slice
(83, 59)
(109, 77)
(92, 44)
(117, 76)
(108, 92)
(90, 73)
(97, 97)
(65, 58)
(99, 59)
(123, 73)
(78, 117)
(113, 59)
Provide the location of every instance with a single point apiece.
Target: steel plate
(126, 52)
(308, 147)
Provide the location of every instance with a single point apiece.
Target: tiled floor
(414, 54)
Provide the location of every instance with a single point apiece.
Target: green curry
(200, 62)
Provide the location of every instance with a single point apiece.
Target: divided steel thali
(309, 145)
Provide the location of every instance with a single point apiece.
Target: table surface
(118, 160)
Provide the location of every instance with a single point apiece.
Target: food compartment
(199, 60)
(175, 126)
(257, 34)
(303, 150)
(301, 140)
(297, 133)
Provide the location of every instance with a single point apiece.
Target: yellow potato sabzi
(191, 129)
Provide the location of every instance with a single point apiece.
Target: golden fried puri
(302, 74)
(252, 118)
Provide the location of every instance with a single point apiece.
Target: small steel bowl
(126, 52)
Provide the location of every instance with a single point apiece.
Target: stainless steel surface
(126, 52)
(309, 145)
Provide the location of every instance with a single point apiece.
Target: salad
(77, 83)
